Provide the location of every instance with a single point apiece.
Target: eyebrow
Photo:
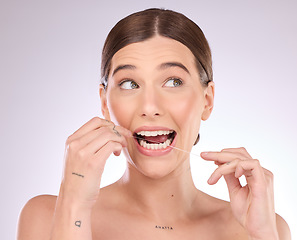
(121, 67)
(174, 64)
(161, 66)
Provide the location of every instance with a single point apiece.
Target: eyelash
(169, 79)
(128, 80)
(174, 79)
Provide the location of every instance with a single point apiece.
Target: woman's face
(154, 89)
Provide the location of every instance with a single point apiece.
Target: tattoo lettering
(164, 227)
(78, 223)
(77, 174)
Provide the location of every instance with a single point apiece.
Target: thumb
(233, 183)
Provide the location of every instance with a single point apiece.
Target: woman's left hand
(253, 204)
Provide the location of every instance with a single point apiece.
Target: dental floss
(171, 147)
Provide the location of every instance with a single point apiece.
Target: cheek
(188, 111)
(120, 109)
(189, 108)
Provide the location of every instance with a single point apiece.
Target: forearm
(71, 221)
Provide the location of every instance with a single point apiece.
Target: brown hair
(143, 25)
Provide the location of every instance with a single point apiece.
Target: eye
(173, 82)
(128, 84)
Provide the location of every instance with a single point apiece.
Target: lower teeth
(155, 146)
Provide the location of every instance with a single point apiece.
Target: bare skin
(213, 221)
(156, 197)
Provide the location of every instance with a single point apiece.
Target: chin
(155, 171)
(154, 168)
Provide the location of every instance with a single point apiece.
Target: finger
(268, 173)
(105, 152)
(233, 183)
(239, 171)
(250, 168)
(221, 157)
(253, 171)
(218, 163)
(240, 150)
(107, 136)
(117, 152)
(269, 177)
(92, 124)
(224, 169)
(122, 131)
(104, 133)
(269, 180)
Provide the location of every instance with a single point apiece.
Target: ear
(209, 100)
(104, 107)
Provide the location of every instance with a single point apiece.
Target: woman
(156, 88)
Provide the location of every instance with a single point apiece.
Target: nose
(151, 104)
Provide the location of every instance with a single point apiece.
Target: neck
(164, 199)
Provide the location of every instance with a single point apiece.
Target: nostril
(155, 114)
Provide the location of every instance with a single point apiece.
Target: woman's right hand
(85, 156)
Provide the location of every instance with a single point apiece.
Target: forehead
(153, 52)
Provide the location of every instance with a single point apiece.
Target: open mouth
(155, 140)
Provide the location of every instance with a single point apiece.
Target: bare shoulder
(35, 219)
(220, 216)
(213, 207)
(219, 219)
(282, 228)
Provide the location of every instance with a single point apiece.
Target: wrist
(73, 206)
(72, 220)
(68, 200)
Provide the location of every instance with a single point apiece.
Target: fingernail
(204, 153)
(209, 180)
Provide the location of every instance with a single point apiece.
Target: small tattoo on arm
(78, 223)
(164, 227)
(77, 174)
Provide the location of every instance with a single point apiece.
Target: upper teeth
(154, 133)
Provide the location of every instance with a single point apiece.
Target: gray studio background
(49, 73)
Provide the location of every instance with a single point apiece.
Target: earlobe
(209, 101)
(103, 99)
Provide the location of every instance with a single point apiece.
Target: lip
(158, 152)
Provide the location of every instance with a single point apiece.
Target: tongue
(156, 139)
